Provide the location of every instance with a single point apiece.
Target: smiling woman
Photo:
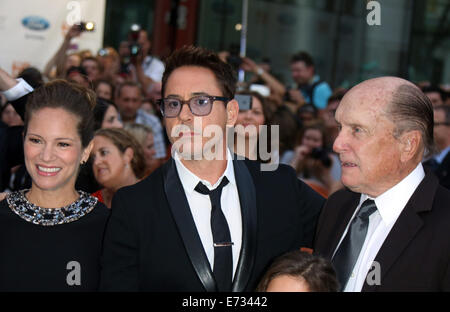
(52, 224)
(118, 161)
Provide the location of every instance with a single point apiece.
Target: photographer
(251, 118)
(316, 166)
(146, 69)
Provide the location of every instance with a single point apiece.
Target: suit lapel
(182, 214)
(247, 198)
(406, 226)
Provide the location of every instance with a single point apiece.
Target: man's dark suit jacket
(415, 255)
(442, 171)
(4, 168)
(151, 241)
(11, 144)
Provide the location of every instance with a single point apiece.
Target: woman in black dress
(51, 234)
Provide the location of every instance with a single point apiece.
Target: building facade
(350, 40)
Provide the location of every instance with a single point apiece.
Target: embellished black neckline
(50, 216)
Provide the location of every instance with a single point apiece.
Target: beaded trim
(48, 216)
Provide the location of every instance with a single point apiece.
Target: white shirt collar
(189, 180)
(392, 202)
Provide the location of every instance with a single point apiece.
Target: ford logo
(35, 23)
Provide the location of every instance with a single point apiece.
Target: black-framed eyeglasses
(199, 105)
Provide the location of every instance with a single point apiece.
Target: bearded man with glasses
(204, 221)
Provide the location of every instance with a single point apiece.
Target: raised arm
(60, 56)
(6, 81)
(11, 145)
(16, 91)
(274, 85)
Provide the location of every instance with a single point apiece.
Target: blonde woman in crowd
(144, 135)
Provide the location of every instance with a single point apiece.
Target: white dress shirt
(200, 206)
(390, 204)
(153, 68)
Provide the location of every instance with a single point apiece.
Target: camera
(103, 52)
(86, 26)
(133, 37)
(322, 155)
(287, 96)
(244, 101)
(135, 48)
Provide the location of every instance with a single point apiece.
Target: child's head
(298, 271)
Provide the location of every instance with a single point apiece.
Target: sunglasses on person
(199, 105)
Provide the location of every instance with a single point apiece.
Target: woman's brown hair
(317, 272)
(69, 96)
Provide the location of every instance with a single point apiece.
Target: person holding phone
(315, 165)
(145, 68)
(254, 112)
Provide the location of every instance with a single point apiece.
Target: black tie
(348, 252)
(223, 256)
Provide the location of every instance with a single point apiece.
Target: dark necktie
(223, 257)
(348, 252)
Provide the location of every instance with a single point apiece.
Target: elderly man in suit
(204, 222)
(388, 231)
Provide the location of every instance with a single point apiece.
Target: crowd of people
(99, 131)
